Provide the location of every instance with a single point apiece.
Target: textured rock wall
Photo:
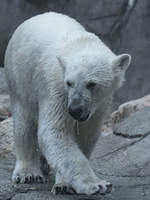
(122, 24)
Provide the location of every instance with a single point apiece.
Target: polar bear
(61, 79)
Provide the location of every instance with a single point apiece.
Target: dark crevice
(128, 136)
(122, 22)
(142, 136)
(131, 136)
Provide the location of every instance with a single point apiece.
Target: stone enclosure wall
(122, 24)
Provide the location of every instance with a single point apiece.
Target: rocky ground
(121, 156)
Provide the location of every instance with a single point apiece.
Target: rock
(4, 107)
(6, 138)
(126, 109)
(136, 125)
(123, 161)
(4, 97)
(123, 111)
(3, 85)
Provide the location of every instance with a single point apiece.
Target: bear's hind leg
(27, 167)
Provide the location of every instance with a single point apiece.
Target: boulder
(136, 125)
(124, 110)
(4, 107)
(3, 85)
(6, 138)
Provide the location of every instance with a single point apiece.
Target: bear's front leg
(65, 157)
(27, 169)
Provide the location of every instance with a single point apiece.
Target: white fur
(44, 52)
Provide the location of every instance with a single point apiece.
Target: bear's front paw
(62, 188)
(28, 176)
(101, 187)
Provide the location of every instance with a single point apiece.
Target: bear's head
(90, 79)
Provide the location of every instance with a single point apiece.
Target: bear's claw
(28, 178)
(104, 188)
(62, 188)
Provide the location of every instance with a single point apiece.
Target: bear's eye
(69, 83)
(90, 85)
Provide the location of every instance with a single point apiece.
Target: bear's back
(46, 27)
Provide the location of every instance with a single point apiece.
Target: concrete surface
(123, 161)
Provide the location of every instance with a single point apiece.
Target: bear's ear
(120, 65)
(122, 61)
(62, 63)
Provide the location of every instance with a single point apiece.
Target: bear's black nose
(76, 111)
